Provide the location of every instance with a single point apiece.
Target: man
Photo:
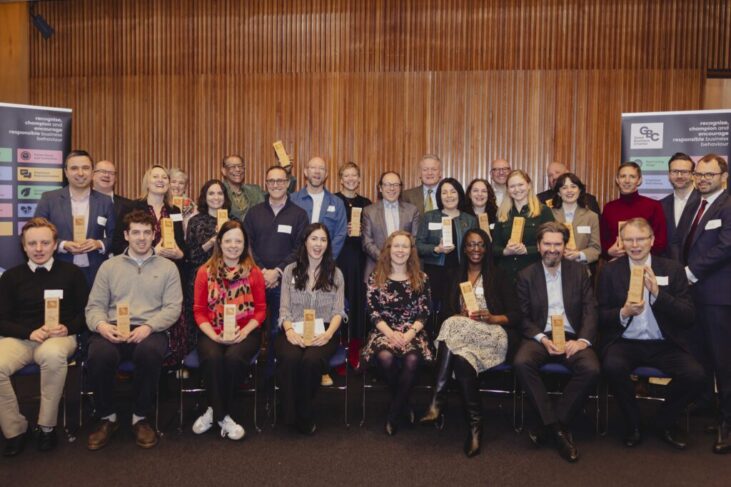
(499, 170)
(424, 196)
(703, 243)
(557, 288)
(103, 181)
(553, 171)
(648, 332)
(149, 285)
(274, 229)
(631, 204)
(384, 217)
(321, 205)
(78, 200)
(680, 174)
(243, 196)
(28, 338)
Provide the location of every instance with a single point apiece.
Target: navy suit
(668, 208)
(55, 206)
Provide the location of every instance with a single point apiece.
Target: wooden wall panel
(375, 81)
(14, 53)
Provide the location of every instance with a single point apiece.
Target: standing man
(28, 338)
(78, 200)
(103, 181)
(243, 196)
(321, 205)
(703, 243)
(149, 285)
(554, 289)
(680, 174)
(499, 170)
(553, 171)
(424, 196)
(631, 204)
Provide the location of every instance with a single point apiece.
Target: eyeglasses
(632, 241)
(104, 172)
(500, 169)
(390, 185)
(706, 175)
(681, 172)
(234, 167)
(276, 182)
(475, 245)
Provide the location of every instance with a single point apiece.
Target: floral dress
(399, 306)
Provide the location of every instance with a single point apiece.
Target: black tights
(400, 374)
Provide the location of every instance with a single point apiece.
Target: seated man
(27, 337)
(648, 332)
(149, 286)
(550, 291)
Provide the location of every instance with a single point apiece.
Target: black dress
(351, 262)
(201, 228)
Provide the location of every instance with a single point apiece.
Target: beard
(551, 259)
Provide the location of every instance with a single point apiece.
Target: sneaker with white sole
(230, 429)
(204, 422)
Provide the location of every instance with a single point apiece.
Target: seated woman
(398, 299)
(312, 282)
(473, 342)
(569, 206)
(229, 277)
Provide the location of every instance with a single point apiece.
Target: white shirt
(79, 207)
(316, 205)
(554, 289)
(48, 265)
(499, 194)
(390, 213)
(679, 205)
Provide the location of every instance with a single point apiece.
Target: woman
(179, 189)
(481, 199)
(470, 343)
(228, 277)
(569, 206)
(441, 261)
(398, 300)
(352, 261)
(312, 282)
(515, 256)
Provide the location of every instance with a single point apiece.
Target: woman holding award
(310, 312)
(229, 308)
(179, 194)
(518, 218)
(569, 207)
(481, 199)
(398, 301)
(479, 333)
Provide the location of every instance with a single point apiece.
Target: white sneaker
(230, 429)
(204, 422)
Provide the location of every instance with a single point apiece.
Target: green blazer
(427, 240)
(512, 264)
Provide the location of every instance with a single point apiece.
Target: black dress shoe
(391, 427)
(632, 438)
(46, 441)
(674, 438)
(723, 440)
(565, 445)
(306, 427)
(15, 445)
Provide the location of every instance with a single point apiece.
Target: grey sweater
(152, 290)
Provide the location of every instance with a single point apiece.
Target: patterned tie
(428, 206)
(694, 225)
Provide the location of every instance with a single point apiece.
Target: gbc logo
(646, 136)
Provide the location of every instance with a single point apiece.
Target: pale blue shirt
(644, 325)
(554, 289)
(390, 210)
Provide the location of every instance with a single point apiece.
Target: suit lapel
(709, 214)
(380, 218)
(541, 291)
(93, 208)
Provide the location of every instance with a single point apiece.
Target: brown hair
(348, 165)
(722, 164)
(38, 222)
(245, 260)
(413, 268)
(552, 227)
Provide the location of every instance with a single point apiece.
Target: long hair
(214, 263)
(488, 272)
(203, 203)
(462, 199)
(490, 206)
(325, 278)
(146, 179)
(560, 181)
(413, 268)
(534, 206)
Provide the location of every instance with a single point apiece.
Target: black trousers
(623, 356)
(585, 367)
(299, 373)
(224, 368)
(714, 323)
(104, 359)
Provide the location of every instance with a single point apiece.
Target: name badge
(435, 225)
(53, 293)
(176, 217)
(585, 229)
(662, 280)
(713, 224)
(284, 229)
(101, 220)
(331, 209)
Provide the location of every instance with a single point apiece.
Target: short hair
(430, 156)
(629, 164)
(560, 181)
(552, 227)
(231, 156)
(722, 163)
(380, 181)
(138, 216)
(346, 166)
(638, 222)
(272, 168)
(175, 171)
(461, 203)
(203, 204)
(680, 156)
(77, 153)
(38, 222)
(106, 160)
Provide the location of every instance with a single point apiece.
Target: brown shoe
(101, 434)
(145, 436)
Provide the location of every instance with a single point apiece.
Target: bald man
(103, 180)
(553, 171)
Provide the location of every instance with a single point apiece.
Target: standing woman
(351, 261)
(440, 261)
(481, 199)
(398, 300)
(311, 282)
(473, 342)
(569, 206)
(228, 277)
(515, 256)
(179, 188)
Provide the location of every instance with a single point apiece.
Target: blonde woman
(179, 188)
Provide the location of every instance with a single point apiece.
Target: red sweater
(200, 297)
(629, 206)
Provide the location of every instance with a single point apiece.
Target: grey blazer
(375, 233)
(589, 243)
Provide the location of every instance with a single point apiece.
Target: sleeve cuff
(582, 257)
(624, 321)
(61, 249)
(539, 337)
(588, 343)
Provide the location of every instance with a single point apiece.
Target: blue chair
(503, 369)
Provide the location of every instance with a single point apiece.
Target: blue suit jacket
(332, 215)
(668, 207)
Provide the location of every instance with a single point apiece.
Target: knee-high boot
(439, 400)
(473, 411)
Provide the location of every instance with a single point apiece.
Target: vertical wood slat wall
(379, 82)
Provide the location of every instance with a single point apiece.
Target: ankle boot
(473, 412)
(439, 400)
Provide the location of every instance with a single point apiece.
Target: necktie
(428, 206)
(693, 226)
(41, 270)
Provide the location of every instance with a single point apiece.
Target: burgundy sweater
(629, 206)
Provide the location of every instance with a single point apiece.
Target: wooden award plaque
(308, 329)
(52, 313)
(79, 229)
(636, 285)
(123, 320)
(468, 295)
(355, 215)
(282, 155)
(221, 218)
(168, 233)
(558, 333)
(229, 322)
(447, 232)
(516, 234)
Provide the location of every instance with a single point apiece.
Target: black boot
(473, 412)
(439, 400)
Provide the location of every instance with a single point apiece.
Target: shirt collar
(84, 196)
(549, 275)
(647, 262)
(33, 266)
(713, 197)
(390, 204)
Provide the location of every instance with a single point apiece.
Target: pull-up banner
(33, 143)
(650, 139)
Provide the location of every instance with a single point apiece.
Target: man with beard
(680, 175)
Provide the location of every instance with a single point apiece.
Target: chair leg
(180, 402)
(256, 395)
(347, 367)
(363, 401)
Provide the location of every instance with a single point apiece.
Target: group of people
(469, 278)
